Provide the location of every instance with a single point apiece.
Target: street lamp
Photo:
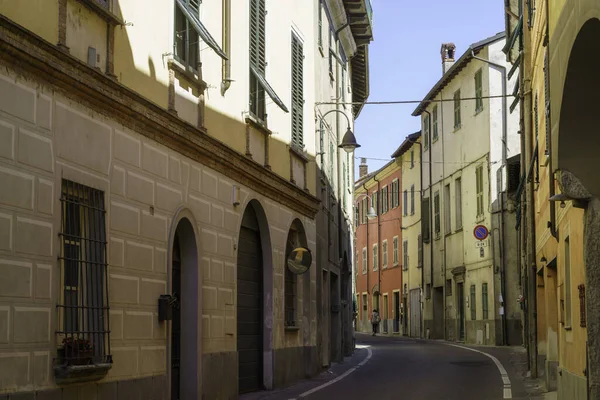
(371, 212)
(349, 143)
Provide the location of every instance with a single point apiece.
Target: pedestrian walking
(375, 319)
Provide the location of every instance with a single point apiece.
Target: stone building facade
(148, 208)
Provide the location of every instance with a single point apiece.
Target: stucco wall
(46, 137)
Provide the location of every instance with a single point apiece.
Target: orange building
(378, 268)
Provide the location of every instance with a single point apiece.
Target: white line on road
(507, 391)
(339, 378)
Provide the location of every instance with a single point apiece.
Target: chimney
(447, 51)
(363, 168)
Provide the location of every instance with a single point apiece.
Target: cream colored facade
(409, 154)
(98, 98)
(466, 145)
(556, 73)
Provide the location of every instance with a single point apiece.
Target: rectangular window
(484, 300)
(297, 93)
(290, 297)
(419, 251)
(405, 255)
(426, 131)
(425, 220)
(384, 200)
(457, 120)
(478, 91)
(320, 27)
(343, 84)
(375, 202)
(568, 313)
(385, 254)
(428, 291)
(447, 208)
(257, 58)
(547, 101)
(364, 260)
(435, 123)
(356, 215)
(322, 141)
(412, 199)
(84, 307)
(448, 287)
(186, 38)
(458, 201)
(395, 193)
(479, 190)
(365, 306)
(473, 305)
(364, 211)
(436, 213)
(412, 159)
(405, 201)
(395, 250)
(375, 257)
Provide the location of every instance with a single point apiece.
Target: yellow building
(408, 155)
(158, 166)
(554, 44)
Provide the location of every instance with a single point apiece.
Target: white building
(470, 140)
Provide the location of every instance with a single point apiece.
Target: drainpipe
(443, 233)
(552, 191)
(364, 185)
(530, 234)
(500, 192)
(226, 32)
(430, 223)
(378, 245)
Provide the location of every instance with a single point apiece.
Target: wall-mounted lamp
(348, 143)
(235, 196)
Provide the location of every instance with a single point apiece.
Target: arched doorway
(576, 147)
(254, 302)
(185, 353)
(578, 140)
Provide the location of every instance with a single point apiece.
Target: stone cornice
(32, 56)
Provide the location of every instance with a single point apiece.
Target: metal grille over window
(84, 311)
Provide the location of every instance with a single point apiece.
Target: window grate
(84, 309)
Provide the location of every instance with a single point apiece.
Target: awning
(194, 20)
(263, 82)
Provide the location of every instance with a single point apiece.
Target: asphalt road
(420, 370)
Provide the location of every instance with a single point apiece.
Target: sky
(405, 63)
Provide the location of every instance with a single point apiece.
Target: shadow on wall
(143, 73)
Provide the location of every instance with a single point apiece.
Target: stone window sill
(298, 153)
(103, 12)
(257, 124)
(80, 373)
(189, 75)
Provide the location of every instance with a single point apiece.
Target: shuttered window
(484, 300)
(479, 190)
(434, 123)
(297, 93)
(420, 251)
(478, 91)
(457, 117)
(257, 57)
(436, 211)
(425, 220)
(547, 101)
(473, 305)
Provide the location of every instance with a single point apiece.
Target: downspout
(226, 38)
(552, 191)
(420, 202)
(500, 192)
(430, 223)
(444, 304)
(378, 244)
(530, 235)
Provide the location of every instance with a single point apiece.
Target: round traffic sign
(480, 232)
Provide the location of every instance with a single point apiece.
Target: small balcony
(360, 17)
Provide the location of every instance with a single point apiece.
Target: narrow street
(403, 368)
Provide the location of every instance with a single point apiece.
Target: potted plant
(77, 351)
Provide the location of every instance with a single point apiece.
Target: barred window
(84, 305)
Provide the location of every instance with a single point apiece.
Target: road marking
(507, 391)
(339, 378)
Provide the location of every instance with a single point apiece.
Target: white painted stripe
(339, 378)
(503, 374)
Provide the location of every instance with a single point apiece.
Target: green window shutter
(547, 100)
(297, 93)
(257, 34)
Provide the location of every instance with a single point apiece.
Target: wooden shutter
(425, 217)
(257, 34)
(297, 93)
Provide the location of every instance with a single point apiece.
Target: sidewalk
(299, 387)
